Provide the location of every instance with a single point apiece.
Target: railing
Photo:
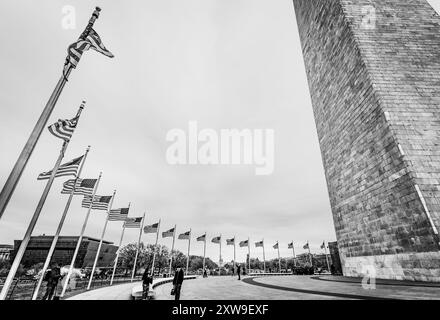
(23, 288)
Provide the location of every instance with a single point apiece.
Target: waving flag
(230, 242)
(259, 244)
(276, 246)
(216, 239)
(202, 238)
(169, 233)
(244, 243)
(323, 245)
(133, 222)
(82, 187)
(68, 169)
(99, 202)
(63, 129)
(151, 228)
(75, 50)
(306, 246)
(185, 236)
(118, 214)
(290, 245)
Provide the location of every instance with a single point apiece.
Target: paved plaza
(275, 288)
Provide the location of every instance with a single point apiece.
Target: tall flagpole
(249, 253)
(233, 267)
(27, 236)
(119, 251)
(264, 259)
(60, 226)
(189, 245)
(294, 257)
(154, 253)
(310, 255)
(204, 255)
(138, 247)
(80, 237)
(100, 241)
(279, 259)
(172, 249)
(14, 176)
(326, 258)
(220, 255)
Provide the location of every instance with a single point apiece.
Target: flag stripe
(133, 222)
(67, 169)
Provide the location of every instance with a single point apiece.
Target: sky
(229, 64)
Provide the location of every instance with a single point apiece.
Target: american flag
(230, 242)
(202, 238)
(323, 245)
(82, 187)
(259, 244)
(68, 169)
(99, 202)
(216, 239)
(151, 228)
(133, 222)
(290, 245)
(169, 233)
(75, 50)
(244, 243)
(276, 246)
(306, 246)
(63, 129)
(118, 214)
(185, 236)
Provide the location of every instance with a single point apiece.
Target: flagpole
(294, 257)
(154, 254)
(30, 229)
(138, 247)
(119, 250)
(172, 248)
(249, 253)
(60, 226)
(189, 244)
(279, 259)
(326, 258)
(17, 171)
(310, 255)
(264, 258)
(204, 255)
(233, 267)
(80, 237)
(220, 255)
(100, 241)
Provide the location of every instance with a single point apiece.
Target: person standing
(52, 277)
(177, 283)
(146, 281)
(239, 271)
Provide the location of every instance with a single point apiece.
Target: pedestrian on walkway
(146, 281)
(51, 278)
(239, 271)
(177, 283)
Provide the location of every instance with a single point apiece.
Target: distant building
(5, 251)
(38, 249)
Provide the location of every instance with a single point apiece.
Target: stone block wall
(373, 72)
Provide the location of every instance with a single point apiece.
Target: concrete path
(292, 288)
(115, 292)
(273, 288)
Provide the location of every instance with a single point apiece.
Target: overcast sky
(223, 63)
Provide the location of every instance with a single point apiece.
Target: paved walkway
(273, 288)
(292, 288)
(115, 292)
